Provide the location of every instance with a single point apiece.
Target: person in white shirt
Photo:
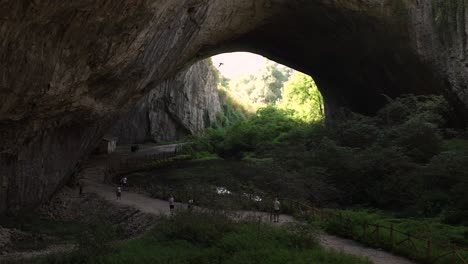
(171, 204)
(276, 210)
(124, 183)
(118, 193)
(190, 204)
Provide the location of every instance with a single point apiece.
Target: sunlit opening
(255, 82)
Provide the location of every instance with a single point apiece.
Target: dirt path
(155, 206)
(54, 249)
(355, 248)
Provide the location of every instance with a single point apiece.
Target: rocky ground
(84, 211)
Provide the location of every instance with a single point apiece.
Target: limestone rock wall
(70, 69)
(181, 106)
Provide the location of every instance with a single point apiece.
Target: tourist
(118, 193)
(276, 210)
(80, 188)
(124, 181)
(171, 204)
(190, 204)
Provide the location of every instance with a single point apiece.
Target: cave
(70, 69)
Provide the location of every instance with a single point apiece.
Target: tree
(264, 88)
(301, 94)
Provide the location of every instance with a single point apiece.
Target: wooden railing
(432, 251)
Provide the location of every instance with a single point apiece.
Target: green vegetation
(199, 179)
(402, 160)
(360, 225)
(233, 110)
(264, 88)
(301, 95)
(397, 160)
(257, 131)
(421, 228)
(214, 238)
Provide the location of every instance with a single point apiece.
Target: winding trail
(93, 176)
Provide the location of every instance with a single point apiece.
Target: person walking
(190, 205)
(124, 183)
(80, 188)
(171, 204)
(276, 210)
(118, 193)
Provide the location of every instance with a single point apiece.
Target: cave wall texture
(70, 69)
(181, 106)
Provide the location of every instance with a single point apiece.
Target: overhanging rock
(70, 69)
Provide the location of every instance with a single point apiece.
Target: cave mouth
(219, 91)
(70, 71)
(256, 81)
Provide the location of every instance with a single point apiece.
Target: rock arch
(69, 69)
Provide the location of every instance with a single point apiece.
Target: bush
(389, 161)
(204, 229)
(212, 238)
(96, 239)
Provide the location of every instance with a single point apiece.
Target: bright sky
(236, 64)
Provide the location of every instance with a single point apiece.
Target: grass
(439, 234)
(198, 179)
(458, 145)
(212, 238)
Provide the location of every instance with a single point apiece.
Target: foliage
(265, 87)
(198, 180)
(445, 185)
(233, 111)
(255, 133)
(395, 160)
(360, 225)
(300, 94)
(96, 239)
(213, 238)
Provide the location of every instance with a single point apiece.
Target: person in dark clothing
(171, 204)
(80, 188)
(118, 193)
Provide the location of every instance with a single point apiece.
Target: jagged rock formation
(181, 106)
(70, 69)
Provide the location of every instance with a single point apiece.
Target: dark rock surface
(181, 106)
(70, 69)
